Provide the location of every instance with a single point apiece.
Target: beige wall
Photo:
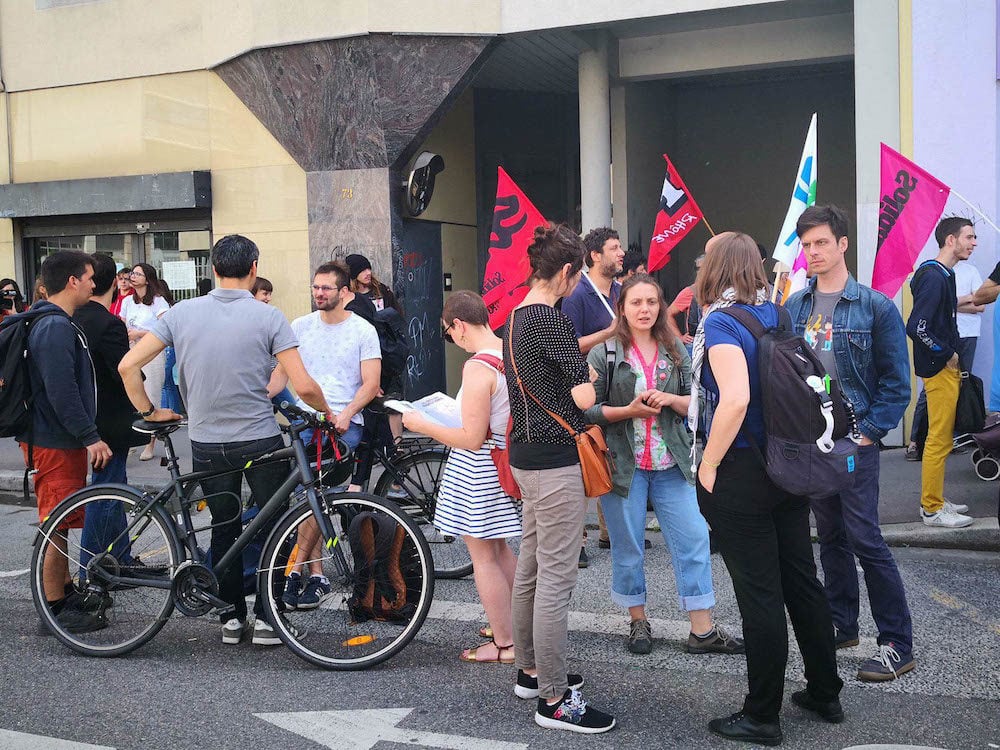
(454, 204)
(173, 123)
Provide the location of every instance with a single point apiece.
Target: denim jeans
(684, 530)
(352, 438)
(105, 519)
(223, 497)
(170, 397)
(848, 526)
(285, 395)
(763, 535)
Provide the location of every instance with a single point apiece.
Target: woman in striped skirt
(470, 501)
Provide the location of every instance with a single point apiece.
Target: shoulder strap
(489, 359)
(520, 383)
(611, 353)
(752, 324)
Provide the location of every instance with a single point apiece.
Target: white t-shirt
(332, 355)
(137, 315)
(968, 280)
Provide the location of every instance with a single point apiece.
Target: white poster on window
(179, 274)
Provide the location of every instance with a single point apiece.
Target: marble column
(595, 136)
(352, 113)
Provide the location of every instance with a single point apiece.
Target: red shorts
(60, 473)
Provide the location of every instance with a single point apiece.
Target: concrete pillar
(595, 137)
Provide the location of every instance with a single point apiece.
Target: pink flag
(911, 204)
(677, 216)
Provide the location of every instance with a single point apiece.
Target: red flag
(677, 216)
(514, 222)
(911, 204)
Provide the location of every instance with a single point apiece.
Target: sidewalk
(899, 480)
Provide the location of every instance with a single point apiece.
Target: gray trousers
(547, 565)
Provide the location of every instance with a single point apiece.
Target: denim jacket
(869, 345)
(621, 435)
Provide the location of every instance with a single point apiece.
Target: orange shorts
(60, 473)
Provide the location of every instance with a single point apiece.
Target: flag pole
(712, 231)
(969, 204)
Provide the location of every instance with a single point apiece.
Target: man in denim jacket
(859, 336)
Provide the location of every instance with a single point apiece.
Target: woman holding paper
(470, 502)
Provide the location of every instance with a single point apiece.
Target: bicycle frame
(180, 484)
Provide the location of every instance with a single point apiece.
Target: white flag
(787, 248)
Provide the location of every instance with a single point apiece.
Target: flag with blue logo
(788, 249)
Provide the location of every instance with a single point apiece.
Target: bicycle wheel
(419, 477)
(340, 633)
(83, 538)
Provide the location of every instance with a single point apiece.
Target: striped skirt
(470, 501)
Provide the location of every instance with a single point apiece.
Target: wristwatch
(147, 413)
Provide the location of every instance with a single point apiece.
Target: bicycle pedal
(164, 462)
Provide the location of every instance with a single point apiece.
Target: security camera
(419, 186)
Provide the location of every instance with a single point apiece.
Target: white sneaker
(264, 635)
(946, 520)
(950, 507)
(232, 631)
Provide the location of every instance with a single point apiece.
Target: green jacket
(621, 435)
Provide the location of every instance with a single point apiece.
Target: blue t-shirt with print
(724, 329)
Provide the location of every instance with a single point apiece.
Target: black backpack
(808, 452)
(391, 330)
(386, 570)
(16, 388)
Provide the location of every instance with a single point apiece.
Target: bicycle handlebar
(311, 418)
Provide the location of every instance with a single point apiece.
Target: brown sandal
(472, 655)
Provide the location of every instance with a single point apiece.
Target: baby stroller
(986, 456)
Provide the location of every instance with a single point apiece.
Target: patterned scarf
(726, 299)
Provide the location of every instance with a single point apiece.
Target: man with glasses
(341, 352)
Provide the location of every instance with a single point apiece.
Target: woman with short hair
(762, 531)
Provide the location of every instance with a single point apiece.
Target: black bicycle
(411, 476)
(134, 572)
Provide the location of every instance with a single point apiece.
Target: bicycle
(141, 573)
(411, 475)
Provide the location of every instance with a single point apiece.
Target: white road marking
(21, 741)
(13, 573)
(362, 730)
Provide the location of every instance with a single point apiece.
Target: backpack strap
(611, 354)
(752, 324)
(490, 360)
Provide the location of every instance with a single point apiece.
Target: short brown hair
(734, 261)
(465, 306)
(338, 269)
(553, 246)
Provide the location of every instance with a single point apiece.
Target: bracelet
(712, 464)
(147, 413)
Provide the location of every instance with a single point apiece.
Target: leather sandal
(486, 632)
(472, 655)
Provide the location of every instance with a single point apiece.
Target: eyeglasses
(325, 289)
(136, 273)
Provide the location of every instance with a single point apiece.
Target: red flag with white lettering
(677, 216)
(514, 222)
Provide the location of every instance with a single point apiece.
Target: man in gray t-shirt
(819, 329)
(225, 342)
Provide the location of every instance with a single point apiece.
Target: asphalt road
(186, 690)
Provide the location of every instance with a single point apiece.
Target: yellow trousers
(942, 398)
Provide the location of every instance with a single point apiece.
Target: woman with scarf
(762, 531)
(644, 386)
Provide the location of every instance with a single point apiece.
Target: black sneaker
(316, 590)
(887, 664)
(293, 590)
(845, 641)
(573, 714)
(74, 620)
(603, 544)
(742, 728)
(640, 637)
(584, 560)
(913, 453)
(716, 642)
(830, 711)
(527, 686)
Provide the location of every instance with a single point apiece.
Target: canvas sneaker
(946, 520)
(640, 637)
(316, 590)
(886, 664)
(265, 635)
(716, 642)
(573, 714)
(233, 631)
(951, 507)
(527, 686)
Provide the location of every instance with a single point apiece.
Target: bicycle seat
(158, 429)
